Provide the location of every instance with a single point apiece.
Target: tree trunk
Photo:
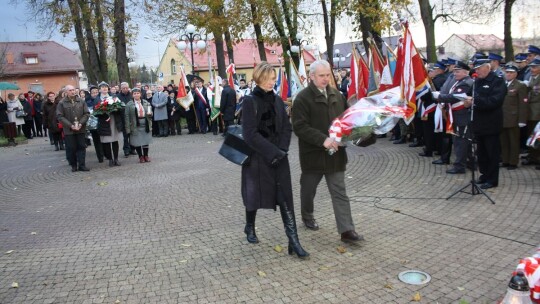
(258, 31)
(81, 41)
(91, 42)
(329, 30)
(229, 44)
(426, 11)
(220, 55)
(508, 47)
(102, 38)
(120, 40)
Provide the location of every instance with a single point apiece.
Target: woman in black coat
(28, 120)
(266, 180)
(38, 119)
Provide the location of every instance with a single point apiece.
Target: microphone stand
(475, 189)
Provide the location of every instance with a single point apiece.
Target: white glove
(521, 125)
(435, 95)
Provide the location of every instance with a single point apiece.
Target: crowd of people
(484, 101)
(69, 120)
(506, 111)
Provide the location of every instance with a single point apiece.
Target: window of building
(173, 67)
(30, 58)
(241, 76)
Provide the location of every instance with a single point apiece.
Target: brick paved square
(171, 231)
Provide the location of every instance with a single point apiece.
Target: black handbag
(234, 148)
(20, 114)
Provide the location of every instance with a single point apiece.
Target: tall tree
(330, 26)
(473, 11)
(257, 27)
(86, 18)
(119, 39)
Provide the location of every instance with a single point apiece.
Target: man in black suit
(488, 97)
(228, 105)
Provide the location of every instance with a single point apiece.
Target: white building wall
(458, 46)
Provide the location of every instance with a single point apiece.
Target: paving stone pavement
(171, 231)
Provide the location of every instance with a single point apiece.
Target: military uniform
(489, 93)
(534, 114)
(514, 113)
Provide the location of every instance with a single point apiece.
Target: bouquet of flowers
(376, 114)
(108, 106)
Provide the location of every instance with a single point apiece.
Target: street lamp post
(338, 57)
(298, 48)
(191, 36)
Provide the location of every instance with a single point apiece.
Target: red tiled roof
(52, 58)
(483, 42)
(245, 55)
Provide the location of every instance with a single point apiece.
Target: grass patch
(18, 140)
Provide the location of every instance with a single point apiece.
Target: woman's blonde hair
(262, 72)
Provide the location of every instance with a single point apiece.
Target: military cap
(533, 50)
(460, 65)
(511, 68)
(481, 61)
(451, 61)
(496, 57)
(520, 57)
(444, 61)
(535, 62)
(479, 55)
(103, 84)
(135, 90)
(439, 65)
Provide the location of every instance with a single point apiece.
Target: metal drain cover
(414, 277)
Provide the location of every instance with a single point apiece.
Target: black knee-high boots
(249, 230)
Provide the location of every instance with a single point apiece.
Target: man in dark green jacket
(314, 109)
(73, 113)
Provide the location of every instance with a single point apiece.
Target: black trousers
(191, 120)
(488, 150)
(227, 123)
(127, 146)
(428, 127)
(38, 119)
(76, 145)
(27, 128)
(110, 150)
(97, 144)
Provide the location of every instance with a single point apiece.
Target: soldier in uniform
(488, 98)
(532, 53)
(495, 61)
(453, 101)
(521, 62)
(534, 110)
(514, 117)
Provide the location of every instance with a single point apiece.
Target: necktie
(141, 111)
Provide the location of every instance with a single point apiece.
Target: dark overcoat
(228, 103)
(49, 116)
(312, 115)
(489, 96)
(104, 127)
(515, 107)
(259, 178)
